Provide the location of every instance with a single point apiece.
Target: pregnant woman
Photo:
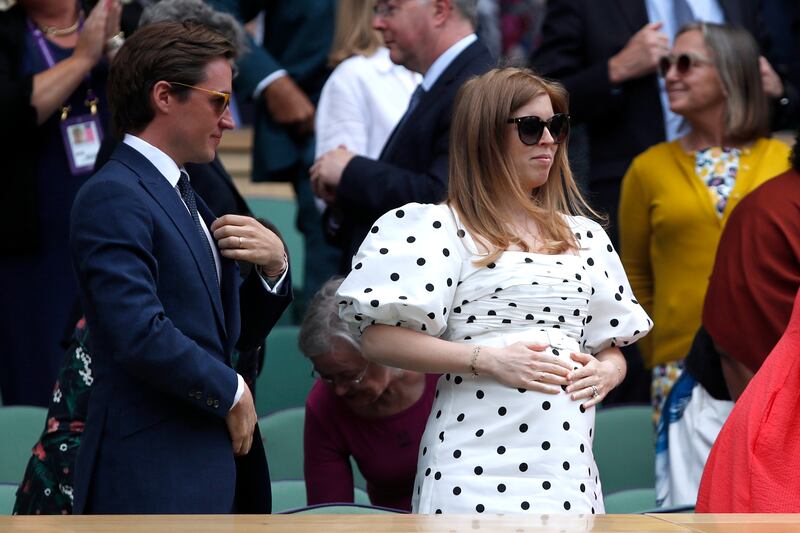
(519, 302)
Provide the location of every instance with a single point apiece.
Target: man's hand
(246, 239)
(640, 55)
(773, 86)
(326, 172)
(241, 421)
(288, 105)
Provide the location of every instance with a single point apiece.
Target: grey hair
(735, 55)
(322, 323)
(199, 12)
(468, 10)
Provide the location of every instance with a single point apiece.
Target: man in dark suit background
(437, 40)
(171, 427)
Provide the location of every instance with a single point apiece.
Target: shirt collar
(163, 163)
(444, 60)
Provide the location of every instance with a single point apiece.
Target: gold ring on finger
(595, 392)
(241, 242)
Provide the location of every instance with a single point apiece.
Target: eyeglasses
(341, 380)
(221, 102)
(530, 129)
(682, 62)
(385, 9)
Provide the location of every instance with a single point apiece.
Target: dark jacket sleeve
(565, 55)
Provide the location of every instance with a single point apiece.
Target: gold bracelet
(475, 353)
(619, 374)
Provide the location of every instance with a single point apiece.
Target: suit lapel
(732, 9)
(431, 96)
(229, 273)
(633, 12)
(169, 200)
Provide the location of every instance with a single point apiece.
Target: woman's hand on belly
(598, 376)
(525, 366)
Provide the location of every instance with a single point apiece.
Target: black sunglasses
(530, 129)
(682, 62)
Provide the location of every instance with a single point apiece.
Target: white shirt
(169, 169)
(662, 11)
(361, 103)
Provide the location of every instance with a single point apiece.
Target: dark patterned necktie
(416, 96)
(683, 14)
(187, 193)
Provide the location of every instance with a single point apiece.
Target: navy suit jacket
(578, 39)
(413, 166)
(162, 335)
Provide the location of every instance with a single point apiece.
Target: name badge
(82, 137)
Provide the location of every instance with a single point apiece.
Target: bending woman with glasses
(676, 198)
(517, 299)
(361, 410)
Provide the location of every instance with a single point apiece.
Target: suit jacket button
(191, 394)
(216, 404)
(198, 395)
(209, 402)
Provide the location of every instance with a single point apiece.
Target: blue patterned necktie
(187, 193)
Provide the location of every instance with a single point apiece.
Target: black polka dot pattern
(485, 445)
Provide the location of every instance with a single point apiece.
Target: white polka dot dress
(488, 448)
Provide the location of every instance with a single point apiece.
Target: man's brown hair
(168, 51)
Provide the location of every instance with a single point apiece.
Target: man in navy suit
(437, 40)
(171, 426)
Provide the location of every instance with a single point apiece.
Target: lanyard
(41, 42)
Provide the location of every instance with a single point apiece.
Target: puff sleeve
(405, 272)
(615, 317)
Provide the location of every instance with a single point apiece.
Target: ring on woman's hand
(595, 393)
(241, 241)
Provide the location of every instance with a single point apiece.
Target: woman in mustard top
(676, 196)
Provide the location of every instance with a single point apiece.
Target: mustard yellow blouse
(669, 231)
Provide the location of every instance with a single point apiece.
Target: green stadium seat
(624, 448)
(21, 428)
(282, 433)
(348, 508)
(286, 377)
(8, 495)
(630, 501)
(288, 494)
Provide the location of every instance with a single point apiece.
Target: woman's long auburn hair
(483, 182)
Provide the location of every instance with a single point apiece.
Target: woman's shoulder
(415, 212)
(657, 153)
(582, 223)
(771, 147)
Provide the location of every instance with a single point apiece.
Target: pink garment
(753, 465)
(385, 449)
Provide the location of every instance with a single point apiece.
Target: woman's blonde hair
(354, 34)
(735, 55)
(483, 180)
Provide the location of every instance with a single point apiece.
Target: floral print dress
(46, 487)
